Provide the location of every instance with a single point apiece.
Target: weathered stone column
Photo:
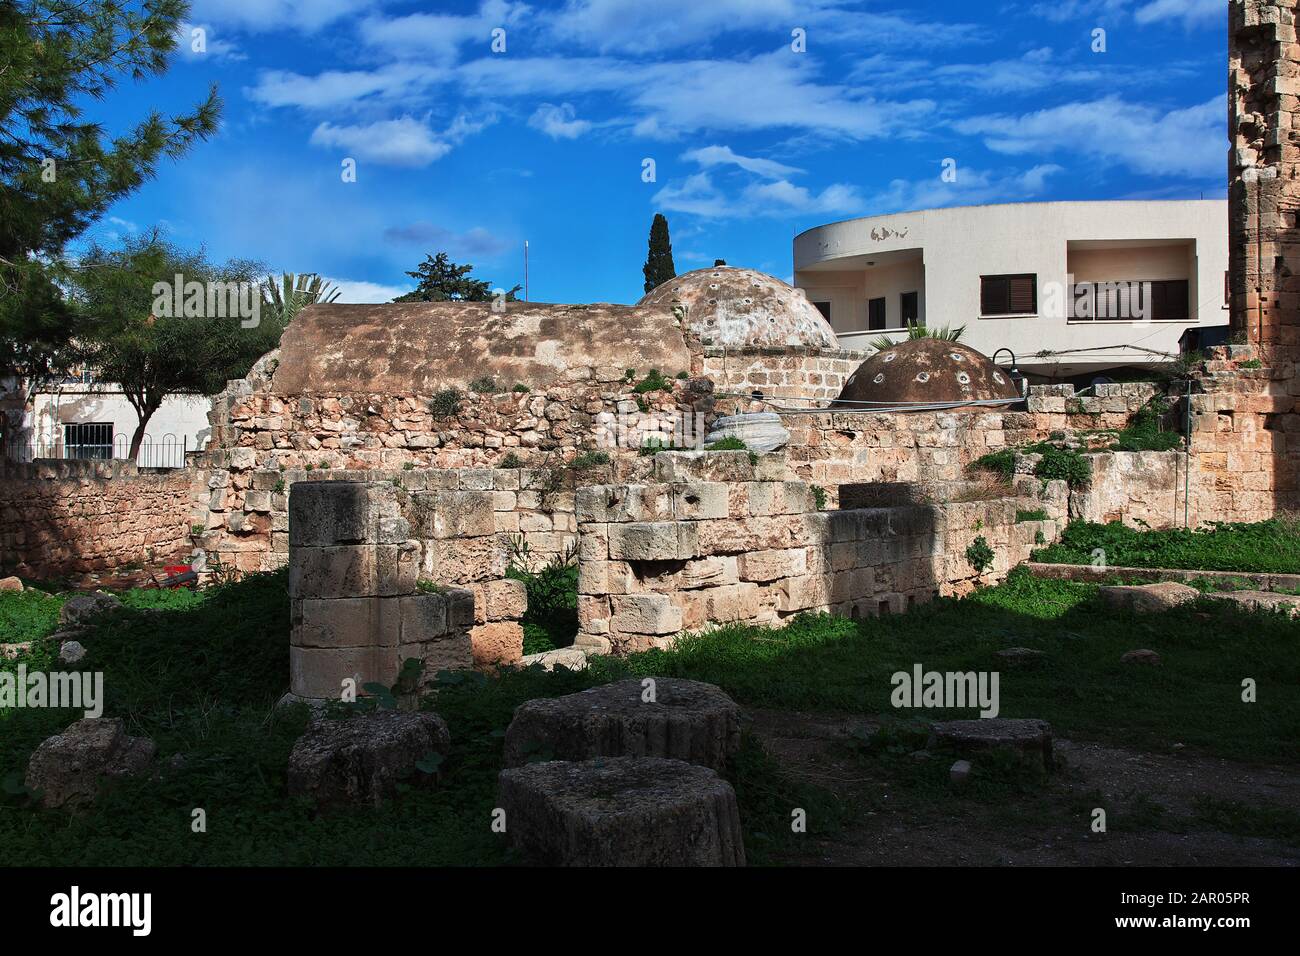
(356, 610)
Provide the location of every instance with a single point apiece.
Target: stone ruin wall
(715, 539)
(61, 517)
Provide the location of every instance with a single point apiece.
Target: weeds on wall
(1271, 546)
(445, 404)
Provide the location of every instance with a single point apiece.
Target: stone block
(653, 541)
(701, 500)
(423, 617)
(772, 565)
(497, 642)
(645, 614)
(346, 622)
(319, 672)
(325, 513)
(504, 600)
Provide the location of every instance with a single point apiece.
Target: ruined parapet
(719, 538)
(357, 613)
(463, 544)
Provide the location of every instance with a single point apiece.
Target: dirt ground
(1048, 826)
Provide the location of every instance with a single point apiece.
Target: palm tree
(915, 331)
(295, 293)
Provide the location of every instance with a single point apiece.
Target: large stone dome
(739, 308)
(927, 370)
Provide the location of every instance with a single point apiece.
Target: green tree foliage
(59, 169)
(438, 279)
(151, 355)
(659, 266)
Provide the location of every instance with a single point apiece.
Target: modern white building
(78, 417)
(1071, 288)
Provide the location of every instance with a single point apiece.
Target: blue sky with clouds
(471, 151)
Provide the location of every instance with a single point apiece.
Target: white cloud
(338, 88)
(558, 122)
(360, 291)
(439, 36)
(190, 35)
(708, 156)
(971, 187)
(700, 196)
(638, 27)
(1186, 142)
(259, 16)
(1191, 12)
(1038, 69)
(405, 141)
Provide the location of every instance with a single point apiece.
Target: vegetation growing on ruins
(1265, 546)
(445, 404)
(1146, 432)
(224, 745)
(1055, 462)
(653, 382)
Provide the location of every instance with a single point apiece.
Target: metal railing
(166, 451)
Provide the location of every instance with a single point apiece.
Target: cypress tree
(659, 267)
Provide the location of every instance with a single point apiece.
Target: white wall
(180, 418)
(961, 244)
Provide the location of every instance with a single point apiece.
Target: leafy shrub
(1038, 514)
(511, 460)
(521, 388)
(589, 460)
(1146, 432)
(1064, 464)
(653, 382)
(980, 555)
(552, 617)
(486, 385)
(445, 404)
(730, 443)
(1271, 546)
(999, 463)
(819, 496)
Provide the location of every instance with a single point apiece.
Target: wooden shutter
(1022, 295)
(994, 295)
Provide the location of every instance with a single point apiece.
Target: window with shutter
(1009, 295)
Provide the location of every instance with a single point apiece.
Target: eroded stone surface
(687, 720)
(623, 811)
(1032, 738)
(1288, 604)
(68, 768)
(1148, 598)
(81, 608)
(360, 759)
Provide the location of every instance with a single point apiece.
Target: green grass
(26, 615)
(202, 681)
(1271, 546)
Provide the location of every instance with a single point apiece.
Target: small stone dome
(927, 370)
(739, 308)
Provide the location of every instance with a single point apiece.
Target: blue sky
(464, 149)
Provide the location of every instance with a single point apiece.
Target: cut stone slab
(360, 760)
(81, 608)
(10, 584)
(68, 768)
(1148, 598)
(760, 431)
(1288, 604)
(622, 811)
(688, 720)
(574, 658)
(1032, 738)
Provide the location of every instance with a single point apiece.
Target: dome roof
(737, 308)
(927, 370)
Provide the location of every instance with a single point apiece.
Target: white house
(78, 417)
(1071, 288)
